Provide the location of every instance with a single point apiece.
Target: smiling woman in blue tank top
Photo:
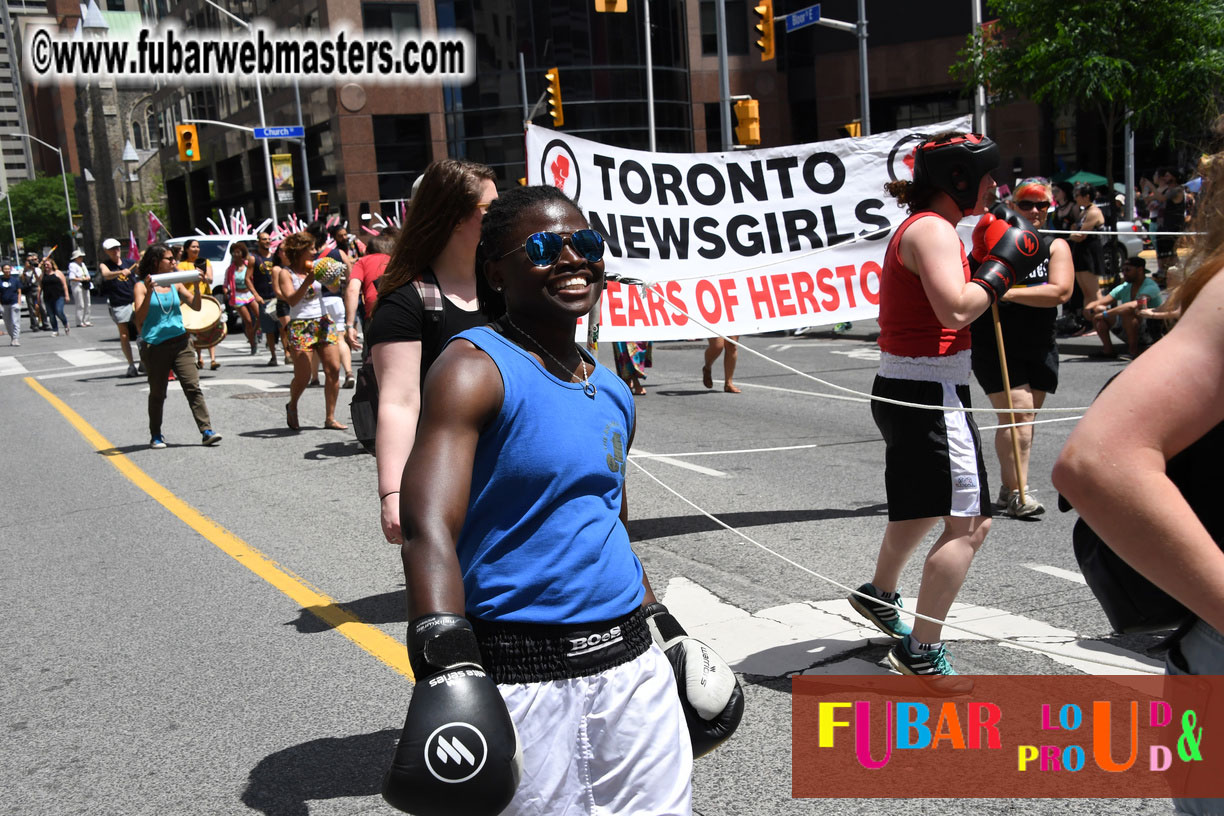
(533, 623)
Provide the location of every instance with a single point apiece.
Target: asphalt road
(216, 630)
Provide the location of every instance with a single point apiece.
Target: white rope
(1034, 422)
(958, 626)
(783, 448)
(1136, 233)
(862, 396)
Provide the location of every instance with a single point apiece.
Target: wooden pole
(1015, 438)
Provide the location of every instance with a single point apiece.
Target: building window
(151, 124)
(115, 5)
(395, 17)
(916, 111)
(137, 137)
(402, 145)
(737, 28)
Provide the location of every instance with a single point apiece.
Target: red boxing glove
(985, 235)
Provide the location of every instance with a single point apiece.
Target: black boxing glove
(459, 751)
(710, 694)
(1007, 254)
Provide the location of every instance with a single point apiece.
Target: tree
(38, 212)
(1163, 60)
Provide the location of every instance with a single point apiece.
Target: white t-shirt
(309, 307)
(78, 272)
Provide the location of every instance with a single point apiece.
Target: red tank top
(908, 325)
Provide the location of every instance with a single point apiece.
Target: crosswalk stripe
(87, 357)
(10, 366)
(1058, 572)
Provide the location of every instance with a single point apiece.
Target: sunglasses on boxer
(1030, 205)
(544, 248)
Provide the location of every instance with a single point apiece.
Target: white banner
(748, 241)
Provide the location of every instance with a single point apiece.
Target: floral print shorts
(306, 334)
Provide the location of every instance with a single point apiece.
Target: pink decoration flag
(155, 225)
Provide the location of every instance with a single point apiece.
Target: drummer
(190, 259)
(166, 348)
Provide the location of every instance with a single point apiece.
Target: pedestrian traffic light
(765, 42)
(321, 202)
(612, 5)
(852, 129)
(554, 97)
(188, 142)
(747, 122)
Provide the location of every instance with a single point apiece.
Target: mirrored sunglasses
(544, 248)
(1027, 206)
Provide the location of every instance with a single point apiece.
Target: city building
(366, 143)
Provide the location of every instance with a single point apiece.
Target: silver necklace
(166, 312)
(588, 387)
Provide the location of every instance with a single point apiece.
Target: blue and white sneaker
(158, 442)
(211, 437)
(880, 613)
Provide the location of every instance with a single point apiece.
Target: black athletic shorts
(933, 464)
(1166, 247)
(268, 324)
(1035, 367)
(282, 308)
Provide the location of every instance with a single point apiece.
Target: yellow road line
(379, 644)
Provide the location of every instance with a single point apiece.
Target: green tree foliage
(38, 211)
(1163, 60)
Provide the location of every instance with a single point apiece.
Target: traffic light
(321, 202)
(852, 129)
(188, 142)
(554, 97)
(612, 5)
(765, 28)
(748, 122)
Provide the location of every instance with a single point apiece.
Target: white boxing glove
(710, 694)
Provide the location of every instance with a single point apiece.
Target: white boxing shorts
(612, 743)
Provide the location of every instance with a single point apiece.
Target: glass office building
(602, 62)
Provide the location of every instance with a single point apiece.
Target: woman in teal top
(166, 351)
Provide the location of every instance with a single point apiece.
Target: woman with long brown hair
(435, 255)
(166, 349)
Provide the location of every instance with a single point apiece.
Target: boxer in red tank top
(929, 294)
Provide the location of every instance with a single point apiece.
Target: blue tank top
(164, 320)
(543, 541)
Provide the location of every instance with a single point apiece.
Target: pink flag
(155, 225)
(133, 251)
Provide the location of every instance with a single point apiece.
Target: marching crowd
(512, 524)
